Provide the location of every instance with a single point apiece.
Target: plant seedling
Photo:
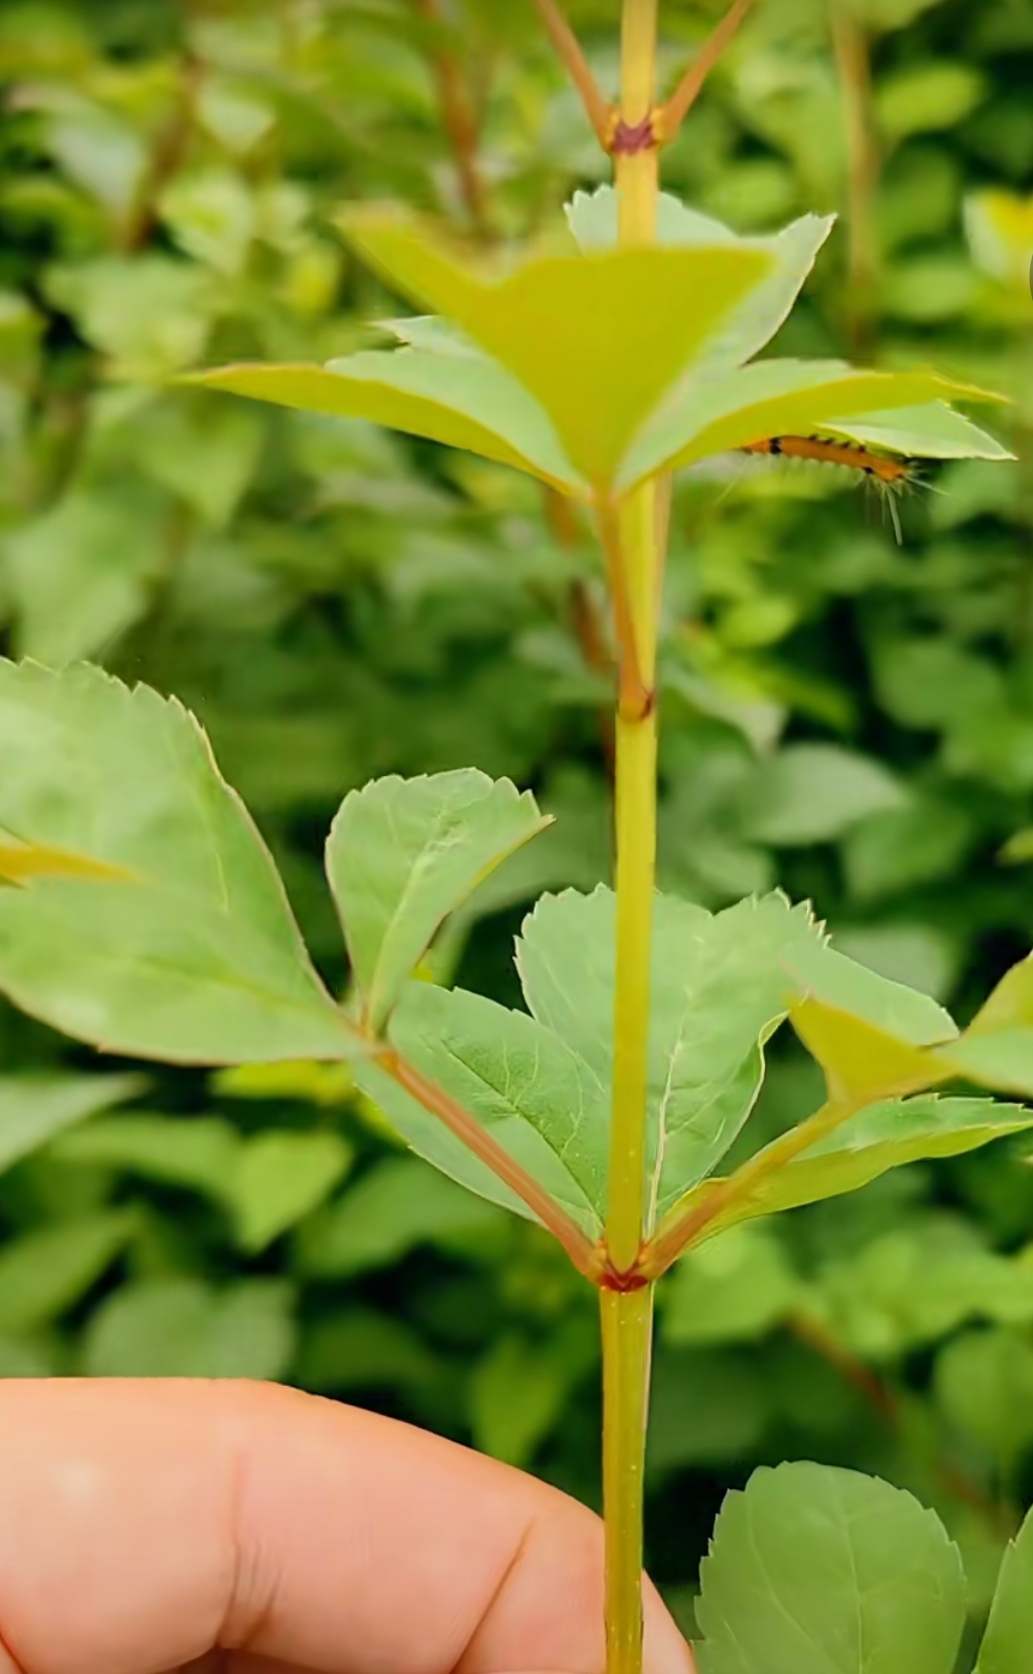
(143, 913)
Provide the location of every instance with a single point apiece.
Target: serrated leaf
(197, 958)
(36, 1108)
(282, 1177)
(773, 398)
(550, 320)
(932, 431)
(465, 401)
(403, 854)
(592, 218)
(521, 1083)
(813, 1570)
(886, 1135)
(718, 991)
(1009, 1632)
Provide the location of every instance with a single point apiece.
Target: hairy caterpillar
(887, 473)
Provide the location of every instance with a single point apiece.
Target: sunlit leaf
(774, 398)
(403, 854)
(813, 1570)
(885, 1136)
(550, 321)
(996, 1050)
(860, 1060)
(466, 401)
(932, 431)
(197, 958)
(593, 220)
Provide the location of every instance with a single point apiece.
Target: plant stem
(677, 108)
(627, 1321)
(636, 568)
(697, 1214)
(853, 63)
(459, 120)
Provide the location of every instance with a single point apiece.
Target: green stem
(627, 1320)
(636, 568)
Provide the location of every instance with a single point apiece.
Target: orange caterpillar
(880, 467)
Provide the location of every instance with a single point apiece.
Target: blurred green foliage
(844, 716)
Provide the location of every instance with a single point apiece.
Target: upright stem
(627, 1315)
(627, 1321)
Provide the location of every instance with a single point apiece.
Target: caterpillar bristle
(889, 474)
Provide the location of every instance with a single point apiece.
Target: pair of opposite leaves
(598, 370)
(814, 1570)
(156, 925)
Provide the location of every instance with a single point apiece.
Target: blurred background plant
(845, 716)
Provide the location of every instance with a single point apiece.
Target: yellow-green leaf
(597, 339)
(775, 398)
(860, 1060)
(465, 401)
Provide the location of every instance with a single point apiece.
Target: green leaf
(403, 854)
(35, 1108)
(81, 574)
(719, 990)
(732, 1289)
(183, 1328)
(819, 1571)
(397, 1206)
(706, 1407)
(932, 431)
(812, 793)
(984, 1387)
(43, 1273)
(463, 400)
(1009, 1632)
(199, 1152)
(885, 1136)
(151, 314)
(520, 1082)
(282, 1177)
(773, 398)
(518, 1391)
(192, 957)
(923, 98)
(592, 218)
(996, 1050)
(550, 321)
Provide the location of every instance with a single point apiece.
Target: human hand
(248, 1529)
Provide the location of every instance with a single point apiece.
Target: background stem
(627, 1316)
